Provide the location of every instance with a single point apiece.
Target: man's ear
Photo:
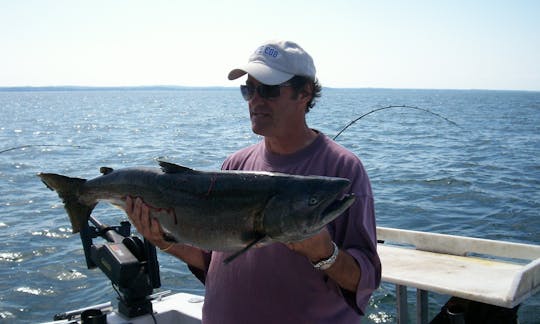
(306, 93)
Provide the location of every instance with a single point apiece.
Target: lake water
(480, 178)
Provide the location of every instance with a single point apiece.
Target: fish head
(305, 206)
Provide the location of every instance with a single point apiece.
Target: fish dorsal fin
(168, 167)
(105, 170)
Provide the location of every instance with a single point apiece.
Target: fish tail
(68, 189)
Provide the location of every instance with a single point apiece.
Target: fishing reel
(130, 264)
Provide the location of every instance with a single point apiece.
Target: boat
(132, 267)
(493, 273)
(167, 307)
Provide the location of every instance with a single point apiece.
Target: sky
(452, 44)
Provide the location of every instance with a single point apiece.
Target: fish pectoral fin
(168, 167)
(233, 256)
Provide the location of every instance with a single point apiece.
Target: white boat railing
(488, 271)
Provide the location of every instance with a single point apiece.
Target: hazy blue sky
(391, 44)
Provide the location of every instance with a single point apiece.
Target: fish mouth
(337, 207)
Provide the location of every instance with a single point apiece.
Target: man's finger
(129, 205)
(156, 229)
(140, 221)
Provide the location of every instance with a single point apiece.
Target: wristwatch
(327, 263)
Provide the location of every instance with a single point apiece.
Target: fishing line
(389, 107)
(35, 145)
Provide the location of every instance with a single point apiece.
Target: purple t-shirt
(273, 284)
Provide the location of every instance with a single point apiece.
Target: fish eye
(313, 200)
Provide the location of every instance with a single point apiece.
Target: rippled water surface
(480, 179)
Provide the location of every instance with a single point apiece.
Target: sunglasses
(265, 91)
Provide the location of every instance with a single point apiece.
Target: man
(325, 279)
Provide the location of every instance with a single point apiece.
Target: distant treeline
(87, 88)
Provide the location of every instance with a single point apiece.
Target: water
(480, 179)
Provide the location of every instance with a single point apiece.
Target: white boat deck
(493, 272)
(178, 308)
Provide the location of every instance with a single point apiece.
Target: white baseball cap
(276, 62)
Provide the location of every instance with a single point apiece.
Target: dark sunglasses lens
(267, 91)
(247, 92)
(264, 91)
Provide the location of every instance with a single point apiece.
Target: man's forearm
(191, 255)
(345, 271)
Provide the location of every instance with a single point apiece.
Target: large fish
(221, 211)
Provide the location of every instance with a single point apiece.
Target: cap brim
(261, 73)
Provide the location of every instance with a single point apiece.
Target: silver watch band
(327, 263)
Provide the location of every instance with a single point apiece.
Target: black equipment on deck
(130, 263)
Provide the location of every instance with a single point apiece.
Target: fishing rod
(390, 107)
(334, 138)
(36, 145)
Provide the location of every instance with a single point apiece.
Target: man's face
(274, 117)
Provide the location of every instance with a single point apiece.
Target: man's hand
(149, 227)
(315, 248)
(345, 270)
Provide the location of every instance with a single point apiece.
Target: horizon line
(180, 87)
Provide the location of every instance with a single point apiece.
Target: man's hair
(299, 83)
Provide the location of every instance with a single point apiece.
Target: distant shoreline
(179, 88)
(97, 88)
